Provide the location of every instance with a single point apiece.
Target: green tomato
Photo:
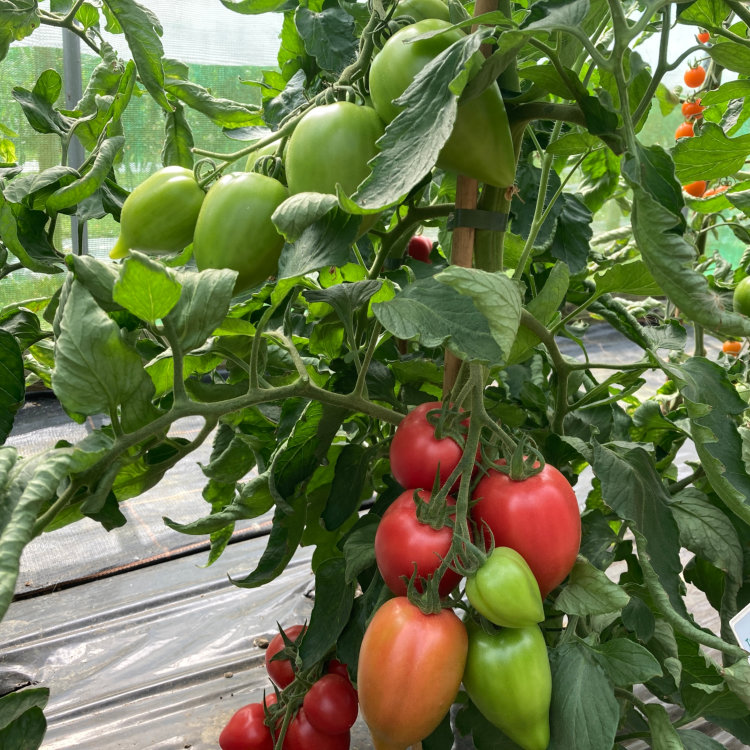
(480, 144)
(742, 296)
(332, 145)
(235, 230)
(508, 678)
(421, 9)
(505, 591)
(254, 156)
(159, 215)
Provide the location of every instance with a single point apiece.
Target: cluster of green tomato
(230, 225)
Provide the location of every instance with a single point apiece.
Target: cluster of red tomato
(323, 721)
(535, 528)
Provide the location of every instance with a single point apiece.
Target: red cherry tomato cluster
(692, 110)
(323, 721)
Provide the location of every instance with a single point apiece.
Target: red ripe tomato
(420, 248)
(416, 454)
(331, 704)
(732, 348)
(410, 669)
(703, 36)
(692, 108)
(684, 130)
(335, 666)
(694, 77)
(280, 671)
(302, 735)
(401, 540)
(538, 517)
(696, 189)
(246, 730)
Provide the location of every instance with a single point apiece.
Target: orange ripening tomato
(718, 190)
(692, 108)
(732, 348)
(410, 668)
(694, 77)
(684, 130)
(703, 36)
(696, 189)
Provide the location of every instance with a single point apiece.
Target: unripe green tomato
(159, 216)
(480, 144)
(253, 157)
(508, 678)
(235, 230)
(505, 591)
(741, 297)
(421, 9)
(332, 144)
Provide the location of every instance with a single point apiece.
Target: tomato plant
(424, 655)
(684, 130)
(281, 670)
(403, 545)
(331, 704)
(420, 247)
(695, 76)
(234, 228)
(575, 314)
(246, 730)
(537, 516)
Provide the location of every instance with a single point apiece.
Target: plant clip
(474, 218)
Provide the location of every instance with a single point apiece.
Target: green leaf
(254, 7)
(494, 295)
(584, 713)
(571, 144)
(24, 325)
(178, 139)
(334, 597)
(299, 211)
(40, 113)
(12, 384)
(704, 13)
(88, 15)
(670, 259)
(737, 677)
(712, 405)
(663, 735)
(348, 483)
(732, 56)
(708, 532)
(328, 36)
(412, 141)
(24, 233)
(33, 189)
(626, 662)
(435, 314)
(95, 369)
(72, 194)
(26, 732)
(710, 155)
(203, 304)
(590, 592)
(554, 15)
(18, 19)
(630, 277)
(13, 705)
(146, 288)
(48, 86)
(143, 31)
(104, 80)
(634, 490)
(326, 242)
(601, 176)
(544, 307)
(359, 547)
(573, 233)
(528, 182)
(222, 112)
(692, 739)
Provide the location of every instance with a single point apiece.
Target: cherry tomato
(331, 704)
(703, 36)
(692, 108)
(718, 190)
(694, 77)
(416, 454)
(538, 517)
(401, 541)
(280, 670)
(302, 735)
(742, 296)
(246, 730)
(733, 348)
(684, 130)
(420, 248)
(696, 189)
(410, 669)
